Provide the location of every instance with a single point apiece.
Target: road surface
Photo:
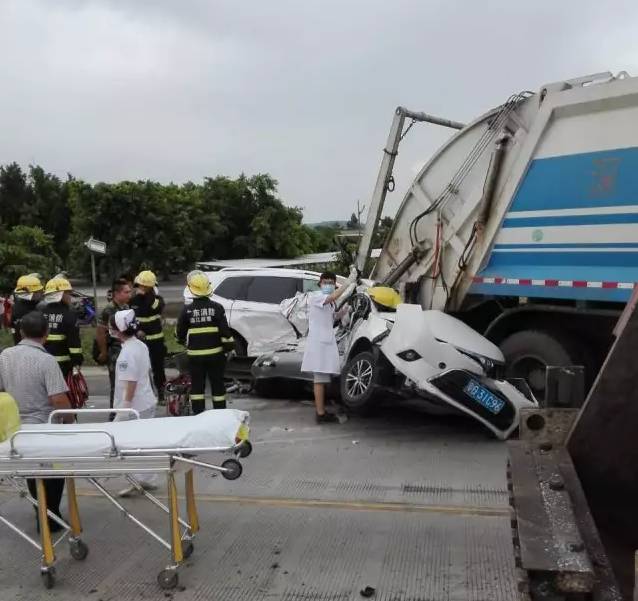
(411, 505)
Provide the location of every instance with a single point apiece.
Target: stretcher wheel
(245, 449)
(187, 549)
(167, 579)
(233, 469)
(48, 578)
(78, 550)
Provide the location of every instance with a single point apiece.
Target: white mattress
(214, 428)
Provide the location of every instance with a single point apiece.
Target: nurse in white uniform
(133, 384)
(321, 356)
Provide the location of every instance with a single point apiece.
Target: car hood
(448, 329)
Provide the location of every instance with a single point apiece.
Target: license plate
(484, 397)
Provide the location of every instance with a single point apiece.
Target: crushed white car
(416, 353)
(251, 298)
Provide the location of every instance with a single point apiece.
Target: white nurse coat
(321, 355)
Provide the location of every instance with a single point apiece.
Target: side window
(271, 289)
(310, 285)
(233, 288)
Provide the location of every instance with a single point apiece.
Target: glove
(354, 275)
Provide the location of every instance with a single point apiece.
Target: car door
(229, 291)
(257, 318)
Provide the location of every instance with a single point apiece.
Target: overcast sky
(176, 90)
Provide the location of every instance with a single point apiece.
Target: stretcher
(98, 451)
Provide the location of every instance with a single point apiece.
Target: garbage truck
(524, 224)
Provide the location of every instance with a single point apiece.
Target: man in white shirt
(133, 387)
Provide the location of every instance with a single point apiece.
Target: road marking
(461, 510)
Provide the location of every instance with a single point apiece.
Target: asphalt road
(410, 505)
(171, 292)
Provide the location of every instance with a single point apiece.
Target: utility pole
(95, 247)
(360, 209)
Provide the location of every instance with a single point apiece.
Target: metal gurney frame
(16, 468)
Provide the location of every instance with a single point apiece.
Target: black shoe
(327, 418)
(53, 526)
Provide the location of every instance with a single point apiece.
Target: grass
(88, 335)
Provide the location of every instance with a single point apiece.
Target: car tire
(359, 380)
(241, 347)
(528, 352)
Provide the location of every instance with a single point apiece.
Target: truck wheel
(358, 381)
(529, 352)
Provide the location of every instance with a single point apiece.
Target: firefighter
(148, 307)
(27, 295)
(203, 329)
(63, 341)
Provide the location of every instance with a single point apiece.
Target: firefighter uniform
(27, 294)
(63, 340)
(148, 308)
(203, 328)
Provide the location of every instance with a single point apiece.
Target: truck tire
(359, 379)
(529, 352)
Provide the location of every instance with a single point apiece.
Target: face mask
(327, 289)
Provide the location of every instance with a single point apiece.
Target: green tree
(24, 250)
(324, 238)
(353, 222)
(16, 202)
(51, 211)
(35, 199)
(252, 220)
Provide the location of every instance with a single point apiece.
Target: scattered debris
(355, 442)
(274, 566)
(368, 591)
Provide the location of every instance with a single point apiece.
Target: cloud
(304, 90)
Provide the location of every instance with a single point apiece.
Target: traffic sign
(96, 246)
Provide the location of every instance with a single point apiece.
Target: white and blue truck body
(525, 224)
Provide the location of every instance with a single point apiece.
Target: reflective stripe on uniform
(62, 358)
(56, 337)
(75, 351)
(149, 319)
(219, 398)
(155, 304)
(154, 336)
(206, 330)
(196, 397)
(231, 339)
(208, 351)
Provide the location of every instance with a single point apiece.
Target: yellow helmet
(146, 278)
(57, 285)
(199, 285)
(28, 283)
(385, 296)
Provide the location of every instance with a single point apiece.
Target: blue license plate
(484, 397)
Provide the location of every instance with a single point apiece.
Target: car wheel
(358, 381)
(529, 352)
(241, 347)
